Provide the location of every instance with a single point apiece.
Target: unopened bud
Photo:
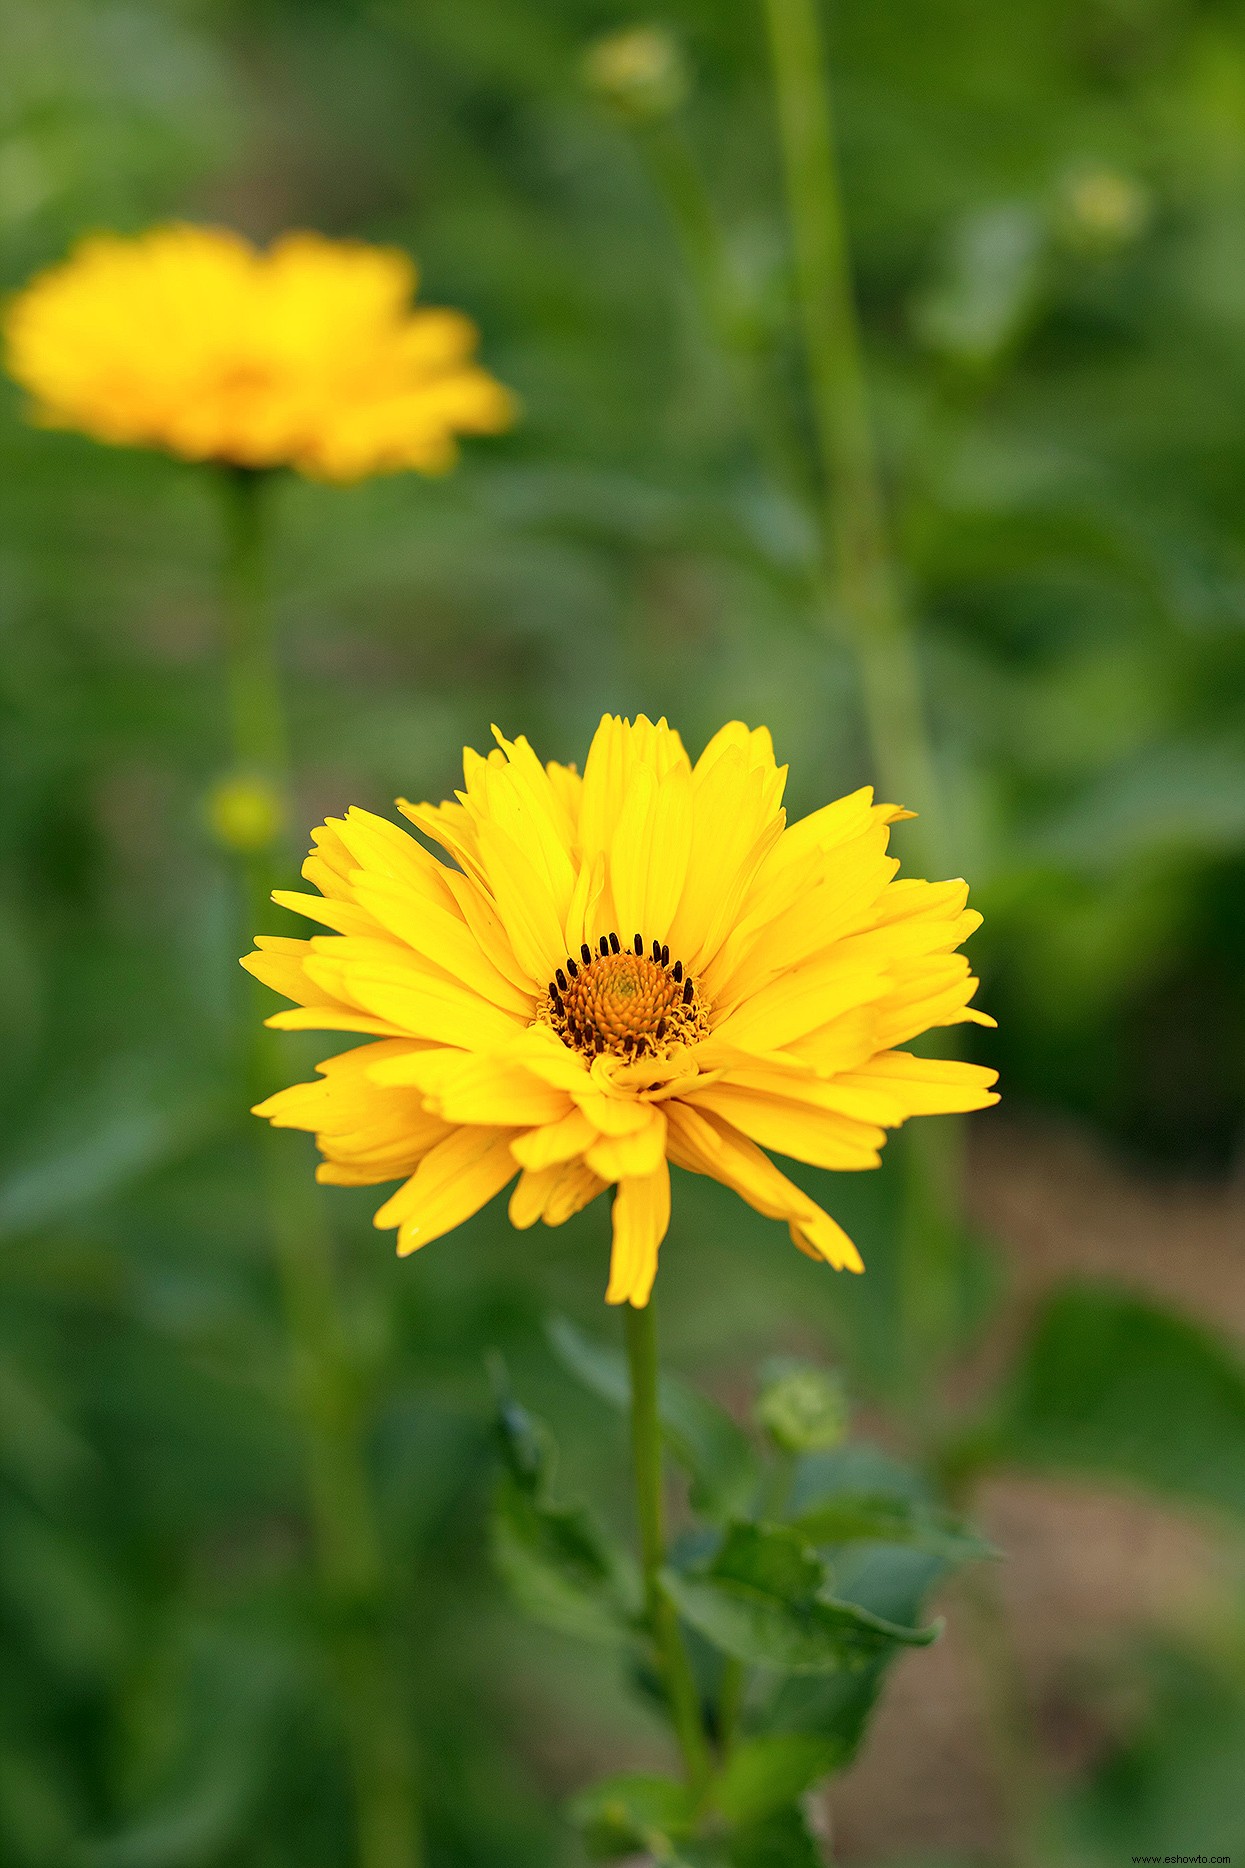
(640, 72)
(1103, 209)
(245, 813)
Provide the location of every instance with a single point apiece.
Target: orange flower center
(624, 1001)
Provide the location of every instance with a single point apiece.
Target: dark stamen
(661, 1030)
(605, 943)
(657, 952)
(639, 944)
(615, 943)
(586, 951)
(572, 969)
(560, 976)
(558, 1006)
(665, 954)
(687, 992)
(678, 970)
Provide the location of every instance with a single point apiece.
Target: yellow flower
(641, 966)
(308, 355)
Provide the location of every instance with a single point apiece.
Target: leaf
(762, 1775)
(783, 1840)
(760, 1600)
(868, 1518)
(715, 1453)
(557, 1562)
(1112, 1385)
(633, 1812)
(801, 1407)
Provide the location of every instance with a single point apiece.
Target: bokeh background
(1047, 215)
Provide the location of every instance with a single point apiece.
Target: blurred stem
(730, 1703)
(867, 600)
(672, 1660)
(348, 1553)
(865, 584)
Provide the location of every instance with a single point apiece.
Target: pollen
(627, 1001)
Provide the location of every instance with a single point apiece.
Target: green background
(1061, 411)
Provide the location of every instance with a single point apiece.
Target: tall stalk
(672, 1660)
(869, 608)
(348, 1552)
(883, 638)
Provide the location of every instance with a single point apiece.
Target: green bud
(802, 1408)
(641, 72)
(245, 813)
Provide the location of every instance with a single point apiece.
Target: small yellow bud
(245, 812)
(1103, 209)
(641, 72)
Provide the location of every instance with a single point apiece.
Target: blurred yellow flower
(306, 355)
(611, 973)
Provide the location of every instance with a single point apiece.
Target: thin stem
(672, 1660)
(864, 577)
(866, 596)
(348, 1552)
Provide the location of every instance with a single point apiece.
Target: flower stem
(866, 586)
(348, 1550)
(868, 604)
(672, 1660)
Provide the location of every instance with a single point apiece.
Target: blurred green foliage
(1047, 207)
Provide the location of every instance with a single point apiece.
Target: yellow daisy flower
(307, 355)
(641, 966)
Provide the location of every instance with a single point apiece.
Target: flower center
(624, 1001)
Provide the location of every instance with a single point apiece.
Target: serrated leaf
(715, 1453)
(763, 1600)
(1112, 1385)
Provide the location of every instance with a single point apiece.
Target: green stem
(348, 1551)
(866, 586)
(866, 597)
(672, 1660)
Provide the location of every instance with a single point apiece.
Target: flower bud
(1103, 209)
(245, 813)
(641, 72)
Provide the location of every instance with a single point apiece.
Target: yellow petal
(555, 1142)
(705, 1144)
(641, 1217)
(618, 1157)
(458, 1177)
(650, 852)
(927, 1086)
(794, 1127)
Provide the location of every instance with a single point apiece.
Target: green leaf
(783, 1840)
(561, 1569)
(763, 1775)
(557, 1562)
(761, 1600)
(801, 1407)
(624, 1814)
(715, 1453)
(1112, 1385)
(866, 1518)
